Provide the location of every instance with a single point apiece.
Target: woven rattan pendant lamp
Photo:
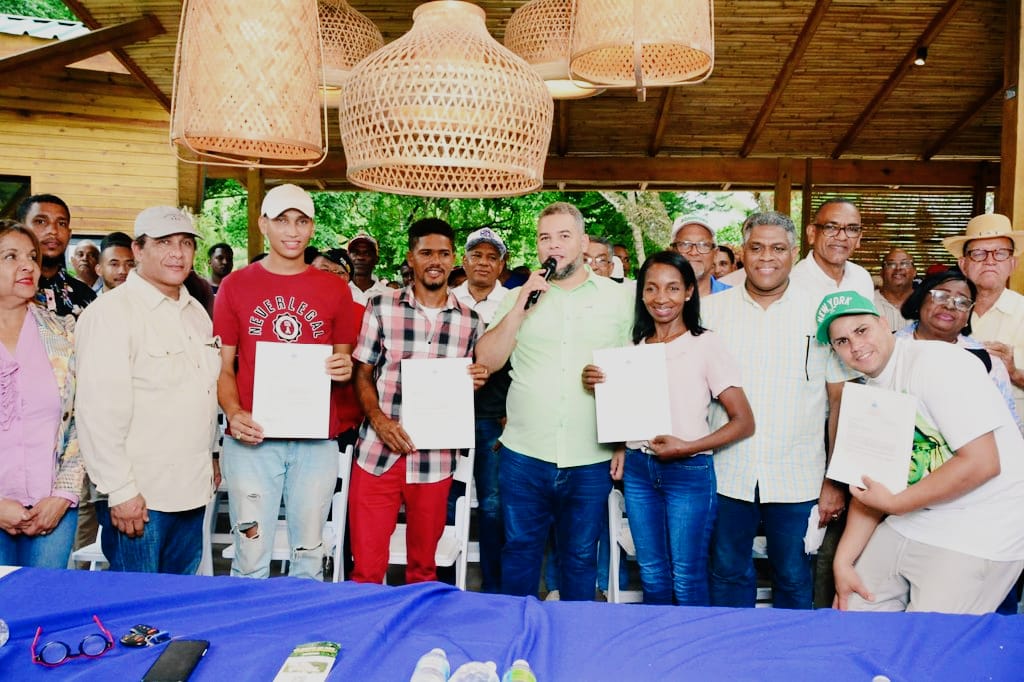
(446, 111)
(246, 84)
(540, 32)
(348, 38)
(643, 43)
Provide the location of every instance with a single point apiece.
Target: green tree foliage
(48, 9)
(341, 215)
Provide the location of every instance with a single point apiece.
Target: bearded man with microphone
(553, 472)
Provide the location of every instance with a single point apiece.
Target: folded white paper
(875, 437)
(437, 403)
(633, 401)
(291, 395)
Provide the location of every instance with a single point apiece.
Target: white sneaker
(552, 596)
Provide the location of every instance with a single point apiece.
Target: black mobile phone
(177, 661)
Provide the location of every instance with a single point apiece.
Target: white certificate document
(291, 394)
(437, 403)
(633, 400)
(875, 437)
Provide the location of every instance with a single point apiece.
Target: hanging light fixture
(446, 111)
(246, 84)
(921, 56)
(539, 32)
(643, 43)
(348, 38)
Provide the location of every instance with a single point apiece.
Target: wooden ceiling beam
(789, 67)
(80, 11)
(662, 122)
(662, 173)
(965, 120)
(934, 28)
(58, 54)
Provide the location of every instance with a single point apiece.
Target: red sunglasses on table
(55, 653)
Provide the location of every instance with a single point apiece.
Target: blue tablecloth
(254, 624)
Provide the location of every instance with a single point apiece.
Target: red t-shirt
(313, 306)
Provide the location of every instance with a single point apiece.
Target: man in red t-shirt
(280, 300)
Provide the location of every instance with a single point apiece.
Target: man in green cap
(953, 541)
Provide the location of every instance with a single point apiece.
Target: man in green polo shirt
(553, 472)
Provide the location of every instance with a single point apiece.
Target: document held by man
(291, 396)
(633, 399)
(437, 403)
(874, 438)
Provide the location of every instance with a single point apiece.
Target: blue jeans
(171, 542)
(733, 580)
(305, 471)
(671, 506)
(41, 551)
(536, 494)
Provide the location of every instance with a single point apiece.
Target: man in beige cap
(987, 253)
(147, 403)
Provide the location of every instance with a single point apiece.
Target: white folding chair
(619, 536)
(339, 516)
(209, 522)
(759, 550)
(453, 547)
(91, 553)
(333, 535)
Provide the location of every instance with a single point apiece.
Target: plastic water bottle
(476, 671)
(5, 633)
(432, 667)
(519, 672)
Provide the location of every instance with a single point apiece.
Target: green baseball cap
(839, 304)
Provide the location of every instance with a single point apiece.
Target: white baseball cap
(685, 220)
(161, 221)
(285, 197)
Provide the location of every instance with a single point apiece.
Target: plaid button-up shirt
(394, 329)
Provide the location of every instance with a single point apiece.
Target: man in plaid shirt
(423, 320)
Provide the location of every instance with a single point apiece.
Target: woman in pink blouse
(669, 481)
(40, 468)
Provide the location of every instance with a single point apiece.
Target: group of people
(757, 359)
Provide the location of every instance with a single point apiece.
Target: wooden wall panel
(99, 141)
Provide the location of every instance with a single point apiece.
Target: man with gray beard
(552, 470)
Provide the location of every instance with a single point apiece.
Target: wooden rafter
(934, 28)
(785, 74)
(661, 123)
(127, 62)
(592, 172)
(58, 54)
(965, 120)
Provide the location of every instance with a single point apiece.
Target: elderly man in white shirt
(147, 403)
(834, 234)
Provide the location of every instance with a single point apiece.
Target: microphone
(549, 269)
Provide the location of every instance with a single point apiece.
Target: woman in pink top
(669, 481)
(40, 468)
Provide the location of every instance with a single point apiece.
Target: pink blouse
(29, 419)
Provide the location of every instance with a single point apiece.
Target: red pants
(373, 505)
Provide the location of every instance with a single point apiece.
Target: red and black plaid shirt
(395, 329)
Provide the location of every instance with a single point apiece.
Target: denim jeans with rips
(305, 472)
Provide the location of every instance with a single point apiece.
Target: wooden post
(1010, 200)
(254, 184)
(979, 193)
(784, 187)
(806, 206)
